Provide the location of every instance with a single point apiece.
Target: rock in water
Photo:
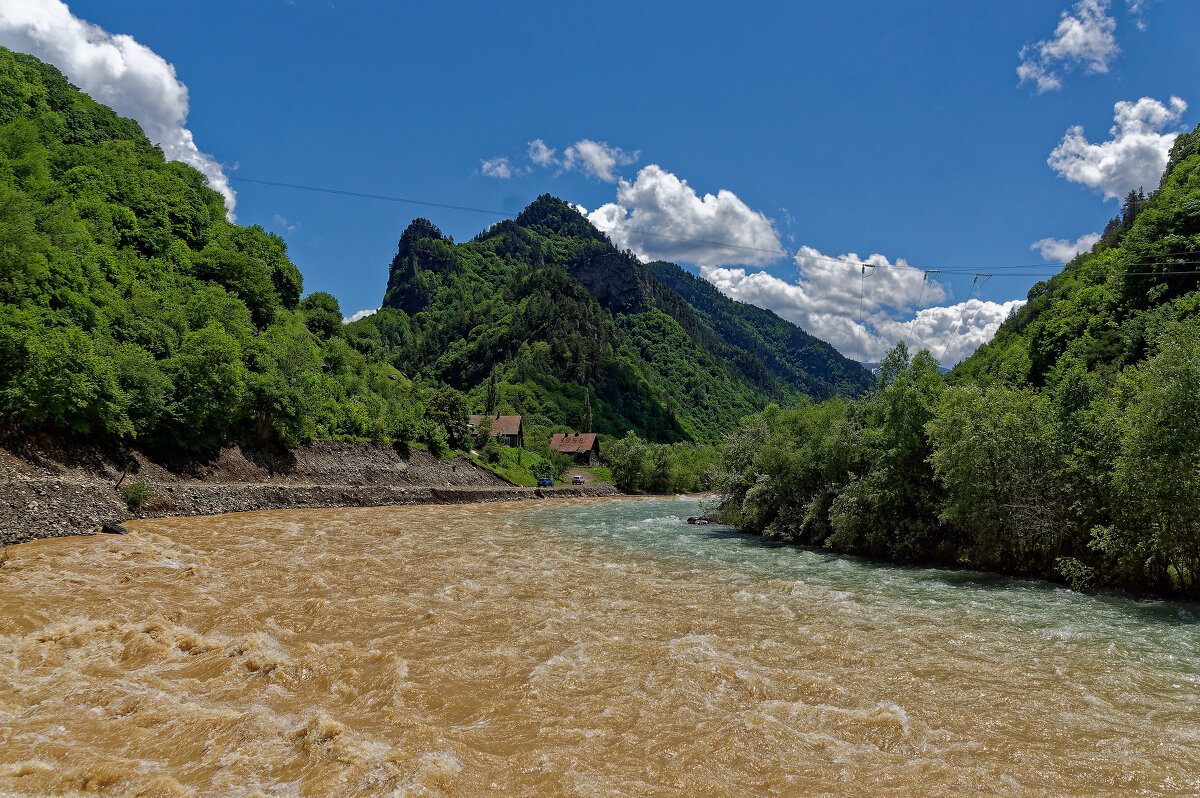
(113, 529)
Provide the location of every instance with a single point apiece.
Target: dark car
(545, 482)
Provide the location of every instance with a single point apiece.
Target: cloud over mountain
(864, 315)
(1133, 158)
(660, 216)
(115, 70)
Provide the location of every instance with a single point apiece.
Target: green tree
(58, 380)
(483, 432)
(489, 405)
(210, 385)
(448, 410)
(404, 422)
(148, 389)
(627, 457)
(246, 277)
(322, 315)
(1156, 538)
(890, 509)
(997, 453)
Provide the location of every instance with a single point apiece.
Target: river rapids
(576, 648)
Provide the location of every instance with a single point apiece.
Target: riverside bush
(135, 495)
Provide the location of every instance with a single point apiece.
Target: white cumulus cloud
(659, 215)
(540, 154)
(497, 167)
(849, 282)
(362, 314)
(1133, 158)
(595, 159)
(863, 316)
(950, 333)
(115, 70)
(1085, 36)
(1060, 250)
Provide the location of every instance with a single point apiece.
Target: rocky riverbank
(59, 488)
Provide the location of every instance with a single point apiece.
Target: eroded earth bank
(59, 488)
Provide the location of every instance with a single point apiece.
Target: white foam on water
(599, 648)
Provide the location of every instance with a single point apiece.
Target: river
(581, 648)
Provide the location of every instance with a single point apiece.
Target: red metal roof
(572, 442)
(501, 425)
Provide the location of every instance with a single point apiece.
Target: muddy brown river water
(581, 648)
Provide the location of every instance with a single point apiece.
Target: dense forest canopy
(132, 309)
(1067, 447)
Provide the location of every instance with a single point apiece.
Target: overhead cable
(1013, 270)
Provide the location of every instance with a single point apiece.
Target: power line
(489, 212)
(1037, 269)
(363, 195)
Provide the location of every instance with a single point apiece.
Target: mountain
(1103, 312)
(1068, 447)
(547, 300)
(131, 309)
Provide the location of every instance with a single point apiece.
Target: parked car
(545, 482)
(577, 479)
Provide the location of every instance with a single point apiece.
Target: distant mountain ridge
(662, 351)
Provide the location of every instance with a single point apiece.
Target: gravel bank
(57, 488)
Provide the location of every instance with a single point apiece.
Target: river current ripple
(582, 648)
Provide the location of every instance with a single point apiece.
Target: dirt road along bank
(60, 488)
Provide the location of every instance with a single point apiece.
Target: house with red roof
(582, 446)
(506, 430)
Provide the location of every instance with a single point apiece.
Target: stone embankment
(56, 488)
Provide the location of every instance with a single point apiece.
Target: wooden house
(506, 430)
(582, 446)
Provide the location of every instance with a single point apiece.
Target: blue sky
(919, 132)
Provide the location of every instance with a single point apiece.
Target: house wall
(590, 458)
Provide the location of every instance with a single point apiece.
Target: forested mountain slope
(1104, 310)
(132, 309)
(547, 298)
(1068, 447)
(768, 351)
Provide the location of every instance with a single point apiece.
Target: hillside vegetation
(1068, 447)
(549, 301)
(131, 309)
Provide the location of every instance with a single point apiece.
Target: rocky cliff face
(422, 250)
(617, 281)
